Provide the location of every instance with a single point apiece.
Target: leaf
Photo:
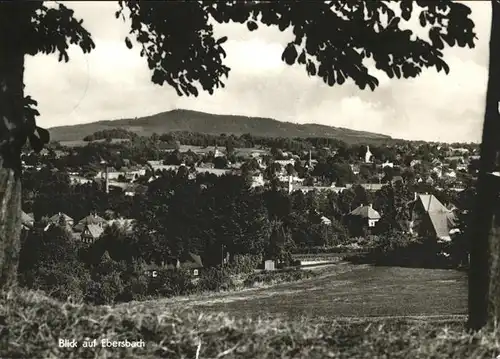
(35, 143)
(221, 40)
(128, 43)
(252, 25)
(397, 71)
(422, 19)
(289, 54)
(302, 58)
(311, 68)
(44, 135)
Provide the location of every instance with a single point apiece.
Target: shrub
(60, 280)
(215, 279)
(105, 290)
(243, 264)
(330, 250)
(171, 282)
(136, 282)
(399, 249)
(270, 277)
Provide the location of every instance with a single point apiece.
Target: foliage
(171, 282)
(111, 134)
(270, 277)
(400, 249)
(254, 338)
(241, 264)
(334, 64)
(215, 279)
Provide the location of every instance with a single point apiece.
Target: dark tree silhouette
(484, 234)
(332, 41)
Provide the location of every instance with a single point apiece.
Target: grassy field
(343, 290)
(31, 324)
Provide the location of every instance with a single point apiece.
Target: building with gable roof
(369, 216)
(430, 218)
(90, 219)
(91, 233)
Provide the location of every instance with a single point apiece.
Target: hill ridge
(215, 124)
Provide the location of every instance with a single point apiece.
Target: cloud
(114, 82)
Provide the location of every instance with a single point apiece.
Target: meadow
(342, 290)
(346, 311)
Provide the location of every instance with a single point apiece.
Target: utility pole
(222, 254)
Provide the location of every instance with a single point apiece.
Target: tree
(331, 40)
(484, 273)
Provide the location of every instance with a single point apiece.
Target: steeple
(368, 155)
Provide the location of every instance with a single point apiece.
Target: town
(190, 203)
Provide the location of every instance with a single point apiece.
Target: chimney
(415, 196)
(370, 205)
(106, 180)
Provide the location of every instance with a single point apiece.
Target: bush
(171, 282)
(243, 264)
(215, 279)
(106, 290)
(60, 280)
(331, 250)
(400, 249)
(136, 282)
(270, 277)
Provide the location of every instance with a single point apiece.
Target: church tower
(368, 155)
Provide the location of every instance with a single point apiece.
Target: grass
(31, 325)
(343, 290)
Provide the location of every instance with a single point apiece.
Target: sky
(113, 82)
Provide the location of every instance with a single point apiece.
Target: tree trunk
(483, 236)
(13, 22)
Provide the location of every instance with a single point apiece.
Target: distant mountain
(186, 120)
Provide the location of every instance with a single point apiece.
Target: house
(61, 217)
(413, 163)
(450, 174)
(91, 233)
(458, 159)
(92, 218)
(306, 189)
(367, 214)
(257, 181)
(429, 217)
(77, 180)
(191, 262)
(27, 221)
(371, 187)
(124, 223)
(355, 169)
(325, 221)
(285, 163)
(397, 179)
